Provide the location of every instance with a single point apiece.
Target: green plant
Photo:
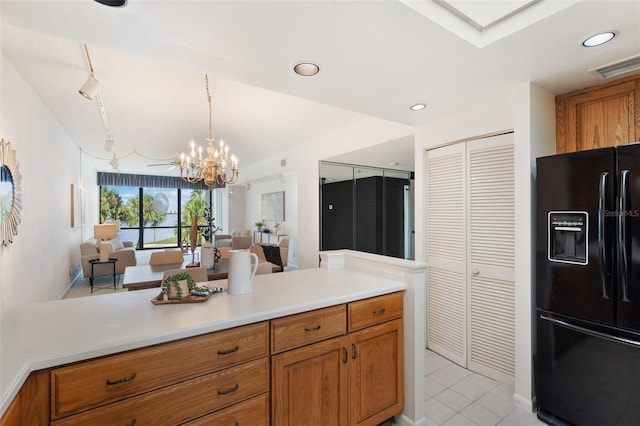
(173, 281)
(209, 227)
(259, 224)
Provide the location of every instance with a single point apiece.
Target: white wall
(37, 265)
(530, 112)
(236, 208)
(302, 162)
(288, 226)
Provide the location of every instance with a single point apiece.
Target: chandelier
(211, 168)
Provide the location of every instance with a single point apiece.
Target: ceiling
(376, 59)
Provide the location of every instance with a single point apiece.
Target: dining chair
(166, 257)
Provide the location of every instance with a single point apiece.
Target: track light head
(114, 163)
(90, 88)
(108, 145)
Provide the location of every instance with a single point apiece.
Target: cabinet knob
(475, 271)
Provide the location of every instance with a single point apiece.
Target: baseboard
(523, 402)
(403, 420)
(77, 276)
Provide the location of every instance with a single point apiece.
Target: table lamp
(104, 232)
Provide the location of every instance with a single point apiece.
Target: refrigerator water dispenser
(568, 237)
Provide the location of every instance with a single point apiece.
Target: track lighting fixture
(90, 87)
(114, 162)
(108, 145)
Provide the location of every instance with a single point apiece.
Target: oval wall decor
(10, 193)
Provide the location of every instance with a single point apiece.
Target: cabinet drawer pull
(379, 311)
(228, 391)
(229, 351)
(345, 355)
(133, 422)
(119, 381)
(316, 328)
(354, 351)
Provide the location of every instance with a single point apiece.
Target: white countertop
(53, 333)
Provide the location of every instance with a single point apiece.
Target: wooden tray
(187, 299)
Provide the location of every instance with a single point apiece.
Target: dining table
(148, 276)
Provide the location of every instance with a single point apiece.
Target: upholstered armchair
(239, 238)
(269, 252)
(121, 250)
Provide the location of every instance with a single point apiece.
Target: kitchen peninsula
(54, 336)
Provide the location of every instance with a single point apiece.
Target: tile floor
(455, 396)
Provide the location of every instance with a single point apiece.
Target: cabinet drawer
(182, 402)
(89, 384)
(368, 312)
(254, 412)
(308, 327)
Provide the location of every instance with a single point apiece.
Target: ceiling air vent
(615, 69)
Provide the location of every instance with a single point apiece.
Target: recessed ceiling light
(112, 3)
(599, 39)
(417, 107)
(394, 164)
(306, 69)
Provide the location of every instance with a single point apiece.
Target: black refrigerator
(587, 357)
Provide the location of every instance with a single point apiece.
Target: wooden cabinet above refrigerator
(599, 116)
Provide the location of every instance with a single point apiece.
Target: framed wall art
(273, 206)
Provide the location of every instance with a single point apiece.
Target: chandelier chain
(210, 165)
(206, 79)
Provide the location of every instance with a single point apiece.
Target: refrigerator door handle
(622, 235)
(602, 205)
(590, 332)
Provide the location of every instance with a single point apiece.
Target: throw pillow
(116, 243)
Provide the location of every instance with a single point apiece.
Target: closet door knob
(475, 271)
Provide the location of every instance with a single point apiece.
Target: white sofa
(121, 250)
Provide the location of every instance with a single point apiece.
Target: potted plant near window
(259, 225)
(208, 256)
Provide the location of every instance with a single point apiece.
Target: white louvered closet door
(491, 257)
(446, 253)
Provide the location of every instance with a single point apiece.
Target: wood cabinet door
(598, 117)
(376, 374)
(309, 385)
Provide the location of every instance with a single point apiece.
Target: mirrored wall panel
(366, 209)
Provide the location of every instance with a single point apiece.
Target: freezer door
(586, 375)
(628, 315)
(575, 234)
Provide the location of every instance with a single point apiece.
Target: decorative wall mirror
(10, 193)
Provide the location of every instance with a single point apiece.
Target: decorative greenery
(173, 282)
(259, 224)
(209, 226)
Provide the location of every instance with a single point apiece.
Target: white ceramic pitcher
(240, 271)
